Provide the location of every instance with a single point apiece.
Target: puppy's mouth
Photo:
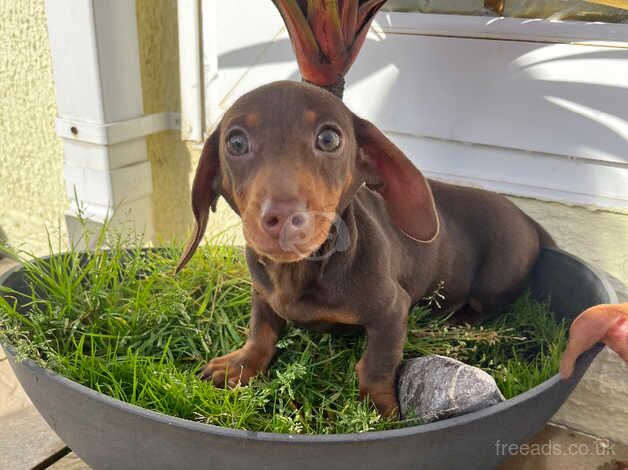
(290, 245)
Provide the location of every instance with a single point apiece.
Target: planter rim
(582, 362)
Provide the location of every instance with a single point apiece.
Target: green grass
(121, 323)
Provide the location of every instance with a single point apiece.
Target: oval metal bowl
(108, 433)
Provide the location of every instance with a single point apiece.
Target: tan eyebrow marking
(310, 116)
(251, 119)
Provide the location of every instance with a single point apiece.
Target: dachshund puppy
(342, 229)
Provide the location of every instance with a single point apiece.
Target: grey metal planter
(108, 433)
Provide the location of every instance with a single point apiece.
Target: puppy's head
(288, 157)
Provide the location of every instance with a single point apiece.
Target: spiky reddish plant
(326, 36)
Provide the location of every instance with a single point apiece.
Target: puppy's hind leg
(482, 308)
(504, 269)
(497, 286)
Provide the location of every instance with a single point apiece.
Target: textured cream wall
(31, 156)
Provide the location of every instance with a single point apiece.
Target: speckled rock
(437, 387)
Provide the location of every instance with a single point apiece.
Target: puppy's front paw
(381, 393)
(236, 367)
(383, 397)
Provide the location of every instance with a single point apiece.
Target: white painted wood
(528, 107)
(188, 12)
(235, 36)
(94, 216)
(95, 55)
(118, 131)
(518, 29)
(115, 24)
(99, 214)
(115, 186)
(552, 177)
(104, 157)
(209, 27)
(74, 53)
(247, 32)
(276, 62)
(94, 43)
(564, 99)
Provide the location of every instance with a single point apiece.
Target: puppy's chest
(304, 303)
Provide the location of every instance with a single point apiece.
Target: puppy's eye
(328, 140)
(237, 143)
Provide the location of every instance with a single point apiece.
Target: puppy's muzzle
(286, 221)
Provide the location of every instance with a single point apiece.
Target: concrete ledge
(25, 438)
(559, 448)
(598, 404)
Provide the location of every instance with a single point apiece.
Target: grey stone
(437, 387)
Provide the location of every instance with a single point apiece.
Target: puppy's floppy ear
(408, 197)
(205, 193)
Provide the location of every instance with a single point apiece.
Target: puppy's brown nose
(284, 218)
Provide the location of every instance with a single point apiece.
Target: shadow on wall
(170, 158)
(171, 163)
(537, 72)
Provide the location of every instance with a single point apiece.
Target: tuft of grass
(119, 322)
(534, 357)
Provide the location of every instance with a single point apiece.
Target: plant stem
(337, 88)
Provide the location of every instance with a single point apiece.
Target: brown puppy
(341, 228)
